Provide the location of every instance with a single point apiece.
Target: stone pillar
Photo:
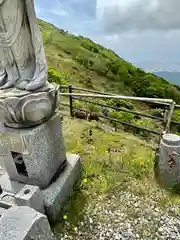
(33, 155)
(168, 161)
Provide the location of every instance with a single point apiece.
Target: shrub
(120, 103)
(176, 118)
(122, 116)
(145, 123)
(78, 104)
(157, 112)
(58, 77)
(93, 108)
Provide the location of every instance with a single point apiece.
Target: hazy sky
(141, 31)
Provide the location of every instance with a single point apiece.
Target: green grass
(109, 174)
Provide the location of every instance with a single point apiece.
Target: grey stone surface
(42, 150)
(59, 191)
(30, 196)
(2, 211)
(9, 186)
(2, 171)
(22, 58)
(24, 223)
(168, 162)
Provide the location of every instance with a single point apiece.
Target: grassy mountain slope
(79, 61)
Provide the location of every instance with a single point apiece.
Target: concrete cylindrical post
(168, 165)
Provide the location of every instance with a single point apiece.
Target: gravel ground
(126, 217)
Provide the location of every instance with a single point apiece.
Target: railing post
(169, 117)
(71, 101)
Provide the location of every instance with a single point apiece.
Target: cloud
(139, 15)
(61, 13)
(125, 22)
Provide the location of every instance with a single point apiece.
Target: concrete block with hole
(33, 155)
(30, 196)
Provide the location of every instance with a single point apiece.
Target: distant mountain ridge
(172, 76)
(158, 66)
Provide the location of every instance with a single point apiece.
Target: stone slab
(23, 223)
(59, 191)
(41, 148)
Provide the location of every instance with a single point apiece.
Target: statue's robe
(21, 50)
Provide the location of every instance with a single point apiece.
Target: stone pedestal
(33, 155)
(54, 196)
(168, 161)
(57, 194)
(39, 173)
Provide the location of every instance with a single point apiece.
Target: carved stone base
(20, 109)
(33, 155)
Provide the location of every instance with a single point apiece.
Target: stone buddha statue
(26, 98)
(22, 59)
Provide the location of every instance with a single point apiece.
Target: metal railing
(167, 104)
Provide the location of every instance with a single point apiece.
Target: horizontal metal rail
(105, 93)
(121, 109)
(87, 90)
(153, 100)
(124, 110)
(166, 104)
(89, 93)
